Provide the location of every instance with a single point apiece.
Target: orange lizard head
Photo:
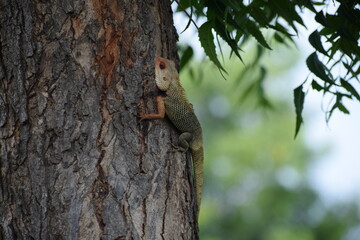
(165, 73)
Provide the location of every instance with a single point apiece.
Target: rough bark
(75, 161)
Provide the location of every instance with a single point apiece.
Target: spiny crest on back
(163, 69)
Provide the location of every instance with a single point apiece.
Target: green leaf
(342, 108)
(315, 41)
(350, 88)
(207, 42)
(334, 48)
(259, 16)
(316, 67)
(316, 86)
(338, 105)
(224, 34)
(247, 92)
(218, 10)
(279, 38)
(299, 97)
(309, 4)
(349, 48)
(263, 101)
(186, 56)
(253, 29)
(334, 21)
(320, 18)
(286, 9)
(326, 31)
(278, 27)
(350, 70)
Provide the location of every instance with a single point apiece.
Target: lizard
(173, 103)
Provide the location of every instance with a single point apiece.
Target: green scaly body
(181, 114)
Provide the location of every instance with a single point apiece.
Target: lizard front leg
(160, 109)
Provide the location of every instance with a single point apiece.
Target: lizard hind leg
(184, 142)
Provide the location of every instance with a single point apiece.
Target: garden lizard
(177, 108)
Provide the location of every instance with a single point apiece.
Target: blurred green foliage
(256, 183)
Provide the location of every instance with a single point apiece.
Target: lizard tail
(198, 161)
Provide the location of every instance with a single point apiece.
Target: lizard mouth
(162, 93)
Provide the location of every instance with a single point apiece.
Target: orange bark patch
(109, 56)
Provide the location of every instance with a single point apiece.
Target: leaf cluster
(339, 65)
(235, 22)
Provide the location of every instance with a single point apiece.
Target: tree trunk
(76, 162)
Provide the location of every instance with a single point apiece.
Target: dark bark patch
(100, 191)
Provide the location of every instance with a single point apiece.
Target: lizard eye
(162, 65)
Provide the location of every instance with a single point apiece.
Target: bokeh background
(260, 182)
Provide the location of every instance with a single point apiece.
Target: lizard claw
(179, 148)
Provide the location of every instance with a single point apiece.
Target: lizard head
(165, 73)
